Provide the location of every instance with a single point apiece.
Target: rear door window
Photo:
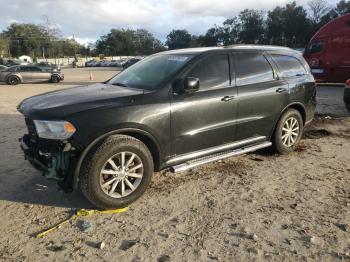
(289, 66)
(212, 71)
(252, 68)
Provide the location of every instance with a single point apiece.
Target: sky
(87, 20)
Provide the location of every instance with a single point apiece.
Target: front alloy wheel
(121, 174)
(117, 172)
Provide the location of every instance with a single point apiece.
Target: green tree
(31, 39)
(177, 39)
(343, 7)
(210, 38)
(251, 26)
(25, 39)
(128, 42)
(226, 34)
(4, 46)
(288, 26)
(146, 43)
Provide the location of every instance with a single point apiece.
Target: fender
(100, 138)
(282, 112)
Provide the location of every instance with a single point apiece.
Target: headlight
(59, 130)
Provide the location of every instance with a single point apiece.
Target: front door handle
(227, 98)
(281, 90)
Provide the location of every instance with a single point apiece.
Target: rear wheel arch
(297, 106)
(139, 134)
(300, 108)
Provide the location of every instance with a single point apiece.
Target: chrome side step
(218, 156)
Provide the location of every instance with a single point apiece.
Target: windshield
(151, 71)
(315, 47)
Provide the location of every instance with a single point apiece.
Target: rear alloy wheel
(117, 172)
(288, 132)
(13, 80)
(55, 79)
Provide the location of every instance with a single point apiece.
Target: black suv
(176, 109)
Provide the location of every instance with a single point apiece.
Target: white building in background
(24, 59)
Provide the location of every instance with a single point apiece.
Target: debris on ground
(85, 226)
(101, 245)
(126, 244)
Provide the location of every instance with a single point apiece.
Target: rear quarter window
(252, 69)
(289, 66)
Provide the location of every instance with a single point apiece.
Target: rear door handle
(281, 90)
(227, 98)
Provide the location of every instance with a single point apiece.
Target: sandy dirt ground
(256, 207)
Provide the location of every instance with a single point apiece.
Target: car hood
(58, 104)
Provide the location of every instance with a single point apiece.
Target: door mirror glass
(191, 85)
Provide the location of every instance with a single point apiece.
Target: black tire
(90, 177)
(347, 105)
(55, 79)
(13, 80)
(280, 139)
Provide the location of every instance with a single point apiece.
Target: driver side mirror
(191, 85)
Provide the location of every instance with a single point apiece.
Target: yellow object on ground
(80, 213)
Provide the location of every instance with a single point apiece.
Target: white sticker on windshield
(177, 58)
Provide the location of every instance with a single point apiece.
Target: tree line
(290, 25)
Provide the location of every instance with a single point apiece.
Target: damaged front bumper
(54, 159)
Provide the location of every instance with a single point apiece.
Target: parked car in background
(103, 63)
(328, 52)
(130, 62)
(116, 63)
(2, 67)
(176, 109)
(347, 94)
(91, 63)
(29, 73)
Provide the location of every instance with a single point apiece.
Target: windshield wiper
(120, 84)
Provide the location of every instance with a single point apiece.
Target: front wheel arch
(142, 135)
(55, 78)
